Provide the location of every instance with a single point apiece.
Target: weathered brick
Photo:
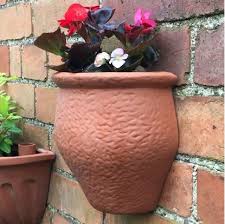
(174, 48)
(201, 126)
(47, 13)
(59, 162)
(23, 94)
(209, 60)
(57, 219)
(210, 198)
(37, 135)
(4, 62)
(165, 10)
(177, 193)
(17, 22)
(47, 217)
(33, 61)
(89, 2)
(15, 61)
(136, 219)
(53, 60)
(73, 201)
(46, 104)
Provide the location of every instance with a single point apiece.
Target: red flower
(142, 25)
(75, 16)
(132, 31)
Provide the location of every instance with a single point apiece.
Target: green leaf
(8, 141)
(4, 147)
(4, 79)
(4, 106)
(52, 42)
(11, 127)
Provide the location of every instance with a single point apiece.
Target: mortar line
(164, 213)
(15, 3)
(64, 214)
(201, 162)
(64, 173)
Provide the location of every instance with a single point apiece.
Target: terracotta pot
(24, 184)
(26, 149)
(118, 134)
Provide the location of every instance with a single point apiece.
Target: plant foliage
(93, 25)
(9, 119)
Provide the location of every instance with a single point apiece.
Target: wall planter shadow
(24, 184)
(118, 134)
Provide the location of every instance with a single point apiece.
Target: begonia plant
(93, 24)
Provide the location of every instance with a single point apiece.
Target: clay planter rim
(114, 79)
(42, 155)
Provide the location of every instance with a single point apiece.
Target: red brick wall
(191, 43)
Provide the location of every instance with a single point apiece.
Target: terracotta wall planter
(24, 183)
(118, 133)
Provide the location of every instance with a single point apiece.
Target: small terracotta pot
(118, 134)
(27, 149)
(24, 184)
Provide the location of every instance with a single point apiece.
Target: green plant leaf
(4, 79)
(52, 42)
(4, 147)
(4, 106)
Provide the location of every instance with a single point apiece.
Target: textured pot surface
(24, 183)
(118, 134)
(26, 149)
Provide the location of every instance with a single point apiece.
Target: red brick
(47, 13)
(23, 94)
(201, 126)
(210, 198)
(59, 163)
(33, 61)
(57, 219)
(136, 219)
(174, 48)
(17, 22)
(47, 217)
(66, 195)
(15, 61)
(209, 60)
(177, 193)
(53, 60)
(37, 135)
(165, 10)
(4, 62)
(46, 104)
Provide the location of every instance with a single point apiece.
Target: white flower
(118, 58)
(101, 59)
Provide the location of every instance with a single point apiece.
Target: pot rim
(42, 155)
(115, 79)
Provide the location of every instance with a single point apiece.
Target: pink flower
(143, 19)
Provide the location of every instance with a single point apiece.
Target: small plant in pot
(25, 171)
(116, 128)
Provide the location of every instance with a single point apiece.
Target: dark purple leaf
(82, 54)
(52, 42)
(102, 16)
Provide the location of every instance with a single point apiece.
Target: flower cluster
(93, 25)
